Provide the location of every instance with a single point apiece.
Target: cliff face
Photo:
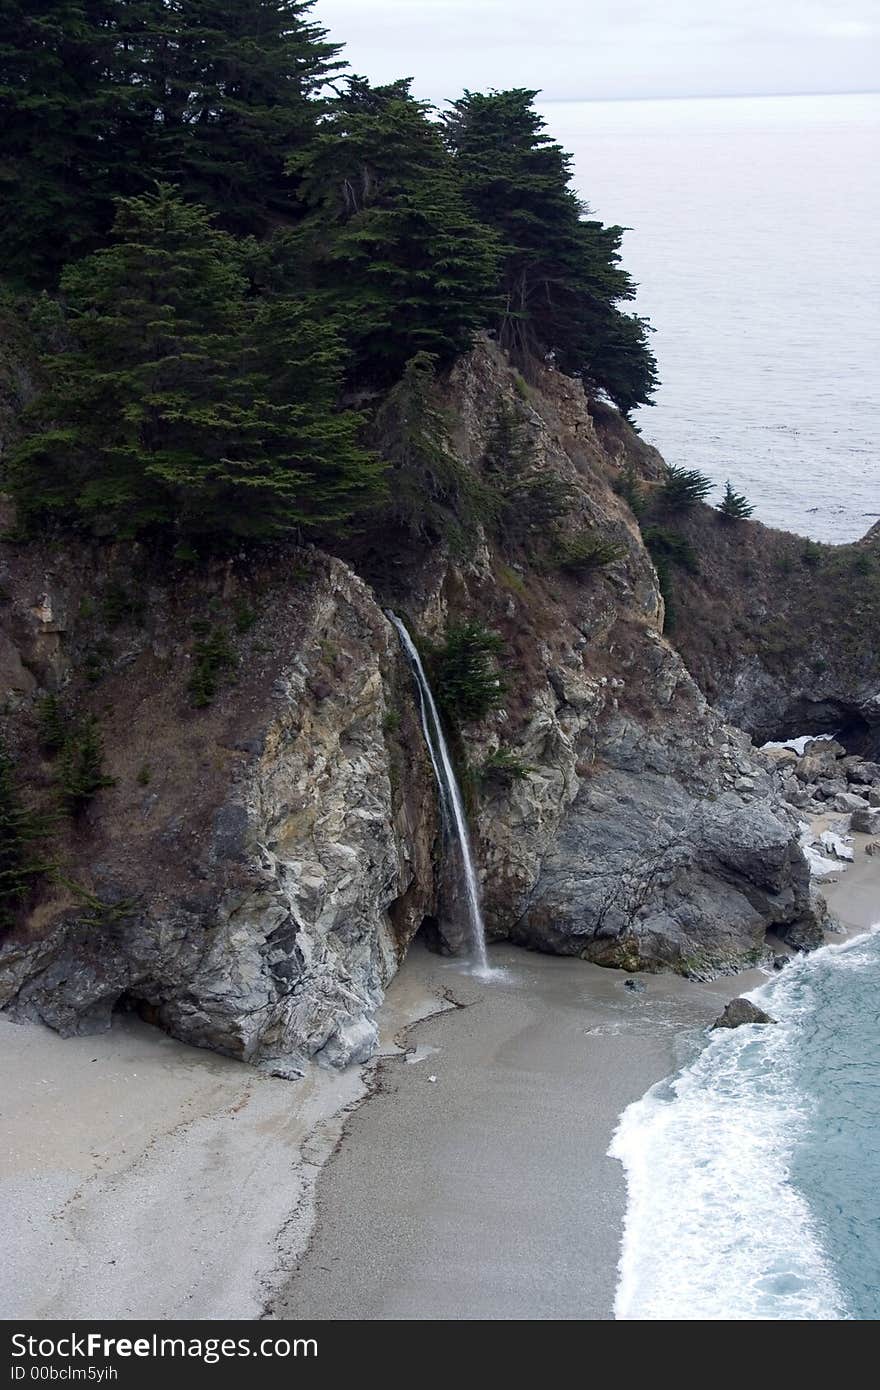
(783, 634)
(254, 876)
(257, 870)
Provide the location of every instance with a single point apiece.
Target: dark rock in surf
(740, 1011)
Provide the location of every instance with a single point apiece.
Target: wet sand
(487, 1193)
(475, 1183)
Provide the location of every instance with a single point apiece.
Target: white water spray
(450, 794)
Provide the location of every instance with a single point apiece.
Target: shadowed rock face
(256, 892)
(782, 634)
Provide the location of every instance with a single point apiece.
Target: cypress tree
(101, 98)
(562, 280)
(387, 225)
(734, 506)
(71, 127)
(236, 88)
(184, 403)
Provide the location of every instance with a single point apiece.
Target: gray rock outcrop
(740, 1011)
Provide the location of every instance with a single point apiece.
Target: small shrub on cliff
(587, 551)
(812, 554)
(502, 768)
(466, 674)
(683, 488)
(629, 487)
(734, 506)
(666, 546)
(52, 724)
(21, 831)
(213, 657)
(532, 502)
(81, 766)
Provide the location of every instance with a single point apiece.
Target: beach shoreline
(145, 1178)
(556, 1040)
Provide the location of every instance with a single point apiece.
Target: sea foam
(715, 1228)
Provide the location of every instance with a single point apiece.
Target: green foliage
(119, 605)
(243, 617)
(508, 446)
(683, 488)
(586, 551)
(182, 403)
(734, 506)
(503, 768)
(101, 98)
(213, 657)
(812, 554)
(21, 831)
(528, 499)
(629, 486)
(671, 547)
(52, 724)
(81, 766)
(386, 222)
(145, 775)
(432, 493)
(561, 278)
(863, 563)
(467, 680)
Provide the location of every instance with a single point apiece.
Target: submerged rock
(740, 1011)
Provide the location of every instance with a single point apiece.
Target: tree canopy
(561, 276)
(236, 241)
(180, 401)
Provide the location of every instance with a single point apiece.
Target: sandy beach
(143, 1178)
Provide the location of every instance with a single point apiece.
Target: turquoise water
(754, 1174)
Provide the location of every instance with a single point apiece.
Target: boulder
(740, 1011)
(861, 771)
(829, 788)
(867, 821)
(779, 757)
(849, 802)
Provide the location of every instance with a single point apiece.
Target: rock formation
(253, 877)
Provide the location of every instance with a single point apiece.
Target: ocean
(753, 1173)
(754, 243)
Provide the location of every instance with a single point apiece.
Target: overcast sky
(612, 48)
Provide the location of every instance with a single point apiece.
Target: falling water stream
(450, 795)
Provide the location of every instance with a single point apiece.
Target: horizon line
(717, 96)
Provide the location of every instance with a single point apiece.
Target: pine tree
(562, 280)
(184, 403)
(391, 248)
(734, 506)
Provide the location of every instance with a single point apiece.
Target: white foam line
(713, 1229)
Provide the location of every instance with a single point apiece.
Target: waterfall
(450, 794)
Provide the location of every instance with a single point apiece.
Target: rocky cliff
(783, 634)
(256, 871)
